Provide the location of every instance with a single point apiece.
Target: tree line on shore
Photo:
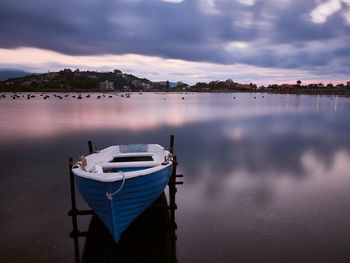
(91, 81)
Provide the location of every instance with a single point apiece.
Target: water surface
(267, 177)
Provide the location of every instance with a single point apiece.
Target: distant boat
(120, 182)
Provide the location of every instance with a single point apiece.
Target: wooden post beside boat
(171, 146)
(172, 192)
(73, 211)
(75, 233)
(172, 185)
(90, 147)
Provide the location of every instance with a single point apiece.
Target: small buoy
(183, 98)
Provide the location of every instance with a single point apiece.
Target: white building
(106, 85)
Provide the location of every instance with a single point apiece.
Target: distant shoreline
(343, 94)
(68, 81)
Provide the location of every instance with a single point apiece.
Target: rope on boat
(167, 159)
(82, 163)
(110, 195)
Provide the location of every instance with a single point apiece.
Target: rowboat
(120, 182)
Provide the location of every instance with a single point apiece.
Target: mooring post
(73, 212)
(172, 192)
(171, 148)
(90, 147)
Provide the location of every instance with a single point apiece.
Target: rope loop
(110, 195)
(82, 163)
(167, 159)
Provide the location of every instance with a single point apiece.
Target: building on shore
(140, 85)
(106, 85)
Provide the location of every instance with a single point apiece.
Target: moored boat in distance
(120, 182)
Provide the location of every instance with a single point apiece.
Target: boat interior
(126, 158)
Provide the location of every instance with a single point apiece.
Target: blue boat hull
(137, 195)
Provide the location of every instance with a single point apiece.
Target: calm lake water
(267, 177)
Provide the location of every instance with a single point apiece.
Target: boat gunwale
(117, 176)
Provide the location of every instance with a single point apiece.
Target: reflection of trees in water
(147, 239)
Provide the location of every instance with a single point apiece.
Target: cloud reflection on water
(38, 117)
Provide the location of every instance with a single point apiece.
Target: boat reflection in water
(148, 239)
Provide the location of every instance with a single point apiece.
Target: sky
(259, 41)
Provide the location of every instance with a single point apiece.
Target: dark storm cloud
(278, 33)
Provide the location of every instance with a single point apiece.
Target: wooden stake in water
(73, 212)
(90, 147)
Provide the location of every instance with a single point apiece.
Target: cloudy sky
(260, 41)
